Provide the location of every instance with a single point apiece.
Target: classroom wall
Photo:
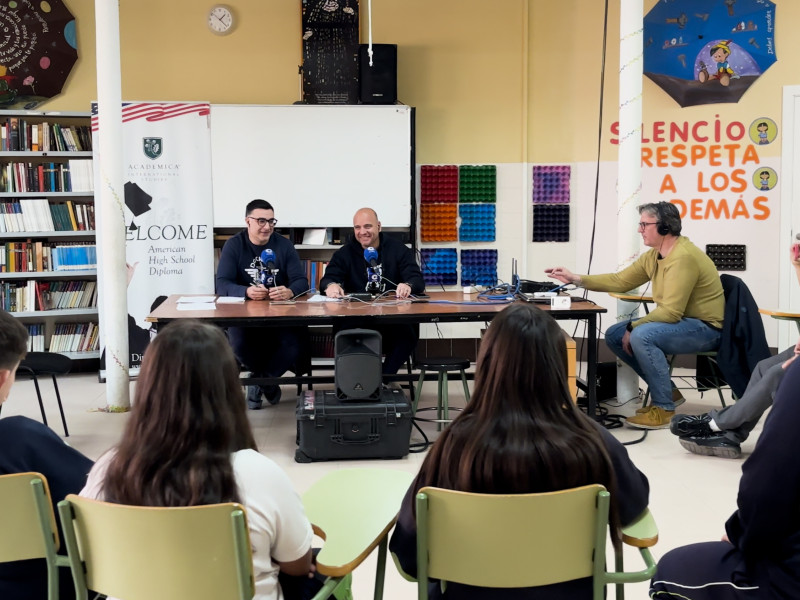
(512, 83)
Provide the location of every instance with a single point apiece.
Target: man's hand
(403, 290)
(563, 274)
(797, 348)
(626, 343)
(788, 362)
(256, 292)
(334, 290)
(280, 292)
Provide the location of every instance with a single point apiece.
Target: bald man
(347, 273)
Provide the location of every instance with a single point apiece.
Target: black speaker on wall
(357, 364)
(377, 83)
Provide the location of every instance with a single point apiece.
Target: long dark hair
(188, 417)
(521, 431)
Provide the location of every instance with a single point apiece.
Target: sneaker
(272, 393)
(655, 418)
(253, 397)
(686, 425)
(715, 444)
(677, 400)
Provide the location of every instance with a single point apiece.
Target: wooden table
(353, 510)
(440, 307)
(782, 316)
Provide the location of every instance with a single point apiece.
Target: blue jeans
(651, 342)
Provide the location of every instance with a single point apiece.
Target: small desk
(628, 297)
(782, 316)
(353, 510)
(442, 307)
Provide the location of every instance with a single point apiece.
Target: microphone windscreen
(371, 255)
(268, 257)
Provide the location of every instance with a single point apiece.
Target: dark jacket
(240, 258)
(743, 343)
(348, 267)
(766, 526)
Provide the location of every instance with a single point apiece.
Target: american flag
(153, 111)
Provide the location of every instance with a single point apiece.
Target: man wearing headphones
(689, 307)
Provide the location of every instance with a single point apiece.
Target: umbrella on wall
(37, 52)
(708, 51)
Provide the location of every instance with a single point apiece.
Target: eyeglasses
(262, 222)
(642, 224)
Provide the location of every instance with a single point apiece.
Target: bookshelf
(48, 275)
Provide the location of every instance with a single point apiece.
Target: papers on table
(196, 303)
(321, 298)
(196, 299)
(230, 300)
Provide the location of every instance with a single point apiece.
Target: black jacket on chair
(743, 343)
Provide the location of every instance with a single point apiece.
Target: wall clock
(221, 20)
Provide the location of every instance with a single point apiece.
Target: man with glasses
(690, 304)
(265, 351)
(347, 273)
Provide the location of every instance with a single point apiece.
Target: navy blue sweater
(241, 259)
(766, 526)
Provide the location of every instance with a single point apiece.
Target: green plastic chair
(28, 525)
(141, 553)
(523, 540)
(353, 510)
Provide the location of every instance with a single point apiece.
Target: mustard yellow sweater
(684, 284)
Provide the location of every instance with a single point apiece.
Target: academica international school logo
(152, 147)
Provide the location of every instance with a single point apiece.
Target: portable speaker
(377, 84)
(357, 364)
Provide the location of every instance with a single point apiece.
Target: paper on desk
(321, 298)
(230, 300)
(196, 299)
(197, 306)
(315, 237)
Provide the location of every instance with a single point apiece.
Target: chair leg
(380, 569)
(445, 398)
(60, 406)
(466, 387)
(619, 568)
(39, 397)
(439, 402)
(418, 392)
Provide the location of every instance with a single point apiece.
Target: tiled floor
(691, 496)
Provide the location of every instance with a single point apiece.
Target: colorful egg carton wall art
(438, 184)
(551, 222)
(477, 222)
(438, 222)
(478, 267)
(439, 266)
(551, 184)
(477, 183)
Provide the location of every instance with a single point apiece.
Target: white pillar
(109, 202)
(629, 173)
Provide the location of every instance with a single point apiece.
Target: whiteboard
(316, 164)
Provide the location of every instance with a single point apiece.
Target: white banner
(168, 210)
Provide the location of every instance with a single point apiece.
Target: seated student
(759, 556)
(521, 433)
(346, 273)
(722, 431)
(27, 445)
(188, 442)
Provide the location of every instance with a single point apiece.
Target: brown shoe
(677, 398)
(655, 418)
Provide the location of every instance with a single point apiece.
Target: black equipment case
(330, 429)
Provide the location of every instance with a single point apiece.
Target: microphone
(374, 274)
(268, 258)
(371, 256)
(267, 274)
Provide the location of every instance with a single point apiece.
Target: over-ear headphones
(662, 227)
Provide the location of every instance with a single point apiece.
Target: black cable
(599, 136)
